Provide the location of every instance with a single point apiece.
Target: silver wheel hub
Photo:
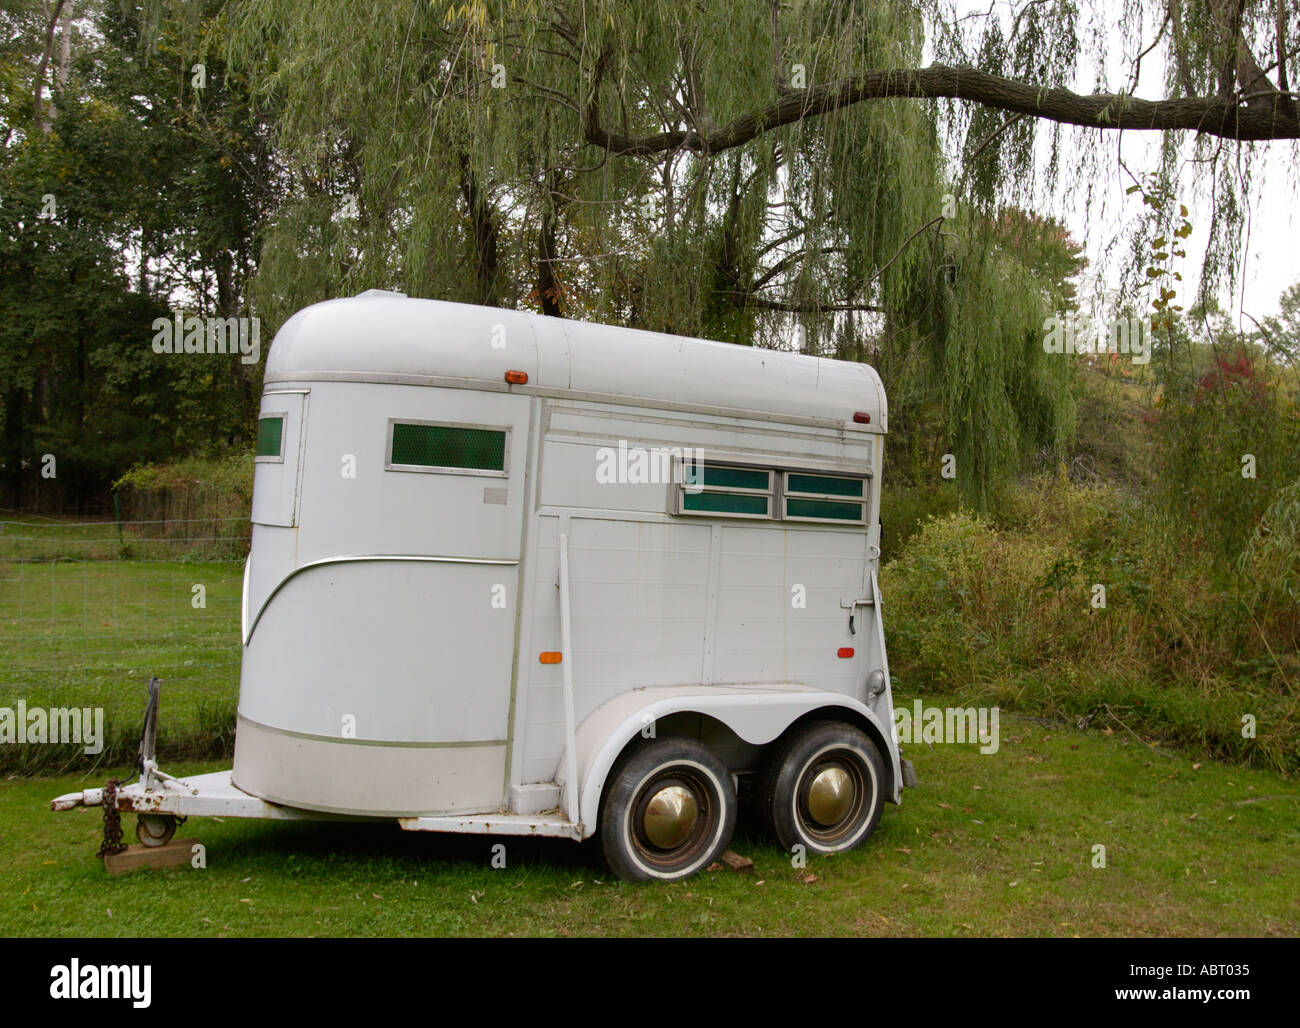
(830, 797)
(671, 816)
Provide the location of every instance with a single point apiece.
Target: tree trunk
(484, 228)
(38, 107)
(548, 285)
(11, 446)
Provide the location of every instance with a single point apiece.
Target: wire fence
(90, 609)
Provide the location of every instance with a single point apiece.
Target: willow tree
(768, 174)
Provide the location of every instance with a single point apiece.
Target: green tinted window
(823, 484)
(726, 503)
(732, 478)
(446, 446)
(769, 493)
(270, 436)
(831, 509)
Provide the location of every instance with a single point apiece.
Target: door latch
(852, 605)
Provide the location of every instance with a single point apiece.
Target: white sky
(1272, 257)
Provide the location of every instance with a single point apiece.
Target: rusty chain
(113, 843)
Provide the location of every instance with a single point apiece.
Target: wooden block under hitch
(176, 853)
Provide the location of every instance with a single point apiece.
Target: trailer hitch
(153, 829)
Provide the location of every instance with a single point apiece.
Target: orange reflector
(518, 378)
(862, 418)
(845, 651)
(549, 657)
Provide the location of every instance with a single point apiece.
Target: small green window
(824, 497)
(270, 436)
(749, 492)
(823, 485)
(448, 447)
(730, 491)
(729, 478)
(725, 503)
(831, 510)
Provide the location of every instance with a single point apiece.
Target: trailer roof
(391, 337)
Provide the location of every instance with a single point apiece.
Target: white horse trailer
(520, 575)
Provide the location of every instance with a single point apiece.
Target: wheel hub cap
(670, 817)
(830, 797)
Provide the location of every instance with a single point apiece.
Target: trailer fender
(758, 715)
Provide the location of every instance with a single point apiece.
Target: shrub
(1009, 612)
(197, 507)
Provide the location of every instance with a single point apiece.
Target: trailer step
(549, 825)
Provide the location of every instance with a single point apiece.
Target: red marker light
(518, 378)
(862, 418)
(845, 651)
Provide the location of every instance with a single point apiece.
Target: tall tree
(136, 184)
(829, 175)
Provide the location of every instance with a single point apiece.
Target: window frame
(779, 472)
(680, 486)
(863, 502)
(430, 469)
(266, 416)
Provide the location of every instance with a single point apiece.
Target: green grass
(90, 633)
(33, 537)
(988, 845)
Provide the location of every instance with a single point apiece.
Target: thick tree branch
(1278, 118)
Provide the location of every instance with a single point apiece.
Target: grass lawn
(81, 628)
(988, 845)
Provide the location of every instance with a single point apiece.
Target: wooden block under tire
(736, 862)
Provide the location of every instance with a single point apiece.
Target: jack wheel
(155, 829)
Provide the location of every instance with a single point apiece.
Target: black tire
(662, 779)
(798, 763)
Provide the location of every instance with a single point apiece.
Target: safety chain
(113, 843)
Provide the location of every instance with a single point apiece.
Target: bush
(1009, 612)
(1226, 438)
(196, 507)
